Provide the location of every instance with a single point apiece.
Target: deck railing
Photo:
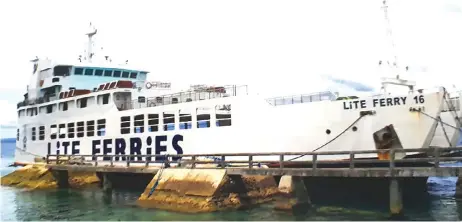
(304, 98)
(187, 96)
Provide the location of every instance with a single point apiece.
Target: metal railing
(304, 98)
(186, 96)
(435, 156)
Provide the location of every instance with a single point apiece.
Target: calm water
(92, 204)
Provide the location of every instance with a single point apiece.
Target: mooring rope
(437, 119)
(325, 144)
(29, 153)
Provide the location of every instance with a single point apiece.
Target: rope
(29, 152)
(447, 124)
(158, 178)
(360, 117)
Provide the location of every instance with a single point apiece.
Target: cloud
(273, 46)
(354, 85)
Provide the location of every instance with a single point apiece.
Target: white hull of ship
(257, 127)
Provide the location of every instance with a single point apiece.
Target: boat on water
(91, 107)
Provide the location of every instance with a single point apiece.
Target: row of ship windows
(106, 73)
(78, 129)
(64, 106)
(168, 123)
(73, 130)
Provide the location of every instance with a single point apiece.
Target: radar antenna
(90, 34)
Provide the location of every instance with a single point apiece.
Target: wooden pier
(427, 164)
(352, 167)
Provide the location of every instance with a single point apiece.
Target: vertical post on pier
(293, 195)
(459, 187)
(62, 178)
(107, 183)
(396, 198)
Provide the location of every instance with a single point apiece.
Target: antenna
(90, 34)
(397, 80)
(390, 35)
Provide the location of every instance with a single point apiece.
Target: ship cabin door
(123, 100)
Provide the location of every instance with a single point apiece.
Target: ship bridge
(49, 77)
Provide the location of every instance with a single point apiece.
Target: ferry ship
(90, 107)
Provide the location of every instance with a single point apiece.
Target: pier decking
(391, 167)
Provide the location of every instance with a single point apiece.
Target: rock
(37, 176)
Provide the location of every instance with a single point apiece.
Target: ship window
(33, 133)
(41, 132)
(125, 74)
(223, 115)
(98, 72)
(203, 118)
(139, 123)
(88, 72)
(153, 122)
(17, 135)
(91, 128)
(78, 71)
(53, 131)
(101, 127)
(107, 72)
(64, 106)
(82, 102)
(70, 130)
(50, 108)
(106, 98)
(35, 111)
(133, 75)
(116, 73)
(125, 124)
(62, 131)
(169, 121)
(185, 120)
(80, 129)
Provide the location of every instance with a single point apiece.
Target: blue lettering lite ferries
(91, 107)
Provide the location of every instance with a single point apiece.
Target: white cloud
(278, 46)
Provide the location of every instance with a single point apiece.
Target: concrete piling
(107, 183)
(459, 187)
(396, 198)
(293, 194)
(62, 178)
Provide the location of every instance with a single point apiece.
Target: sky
(275, 47)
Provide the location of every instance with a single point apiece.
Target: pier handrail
(436, 156)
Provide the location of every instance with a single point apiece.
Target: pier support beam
(459, 187)
(292, 194)
(107, 183)
(396, 198)
(62, 178)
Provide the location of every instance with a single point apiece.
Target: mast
(90, 34)
(395, 80)
(390, 36)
